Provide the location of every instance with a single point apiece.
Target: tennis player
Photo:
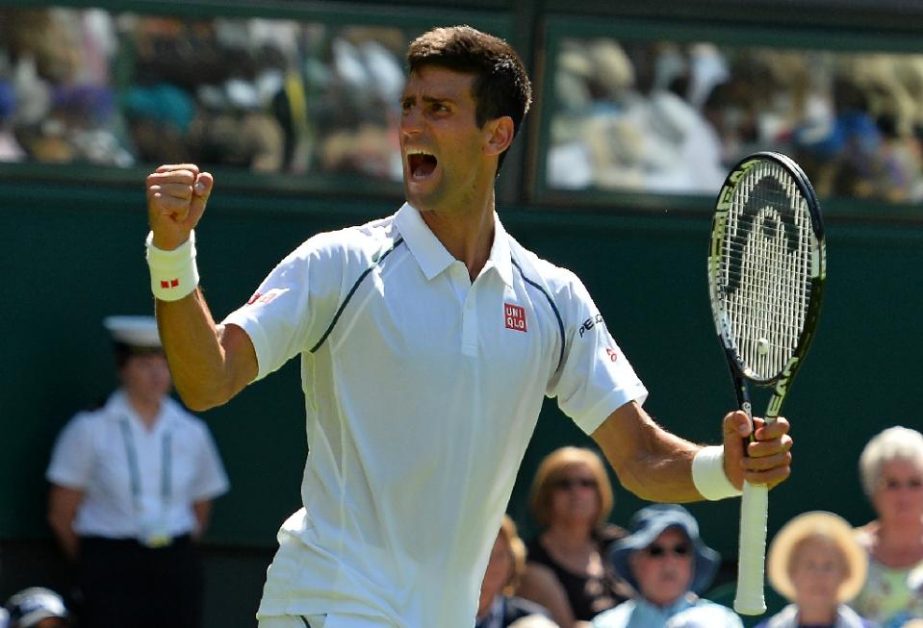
(427, 341)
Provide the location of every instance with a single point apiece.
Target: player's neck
(467, 235)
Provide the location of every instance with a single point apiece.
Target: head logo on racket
(766, 271)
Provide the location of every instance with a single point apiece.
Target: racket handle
(754, 514)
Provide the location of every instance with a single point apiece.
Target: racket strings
(766, 261)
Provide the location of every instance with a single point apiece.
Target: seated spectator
(567, 572)
(667, 564)
(891, 467)
(498, 606)
(817, 565)
(37, 607)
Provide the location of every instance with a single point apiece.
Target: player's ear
(500, 132)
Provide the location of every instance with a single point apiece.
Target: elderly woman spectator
(668, 565)
(498, 606)
(817, 565)
(567, 571)
(891, 468)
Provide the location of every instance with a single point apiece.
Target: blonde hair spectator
(567, 571)
(517, 553)
(552, 470)
(817, 564)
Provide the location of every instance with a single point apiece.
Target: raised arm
(209, 363)
(657, 465)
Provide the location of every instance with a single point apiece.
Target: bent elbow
(200, 399)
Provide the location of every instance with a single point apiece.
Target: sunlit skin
(499, 571)
(817, 569)
(664, 579)
(449, 162)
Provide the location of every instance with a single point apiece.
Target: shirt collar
(433, 257)
(117, 407)
(681, 604)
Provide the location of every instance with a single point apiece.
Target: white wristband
(708, 474)
(173, 273)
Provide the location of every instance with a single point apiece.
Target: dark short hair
(123, 352)
(501, 86)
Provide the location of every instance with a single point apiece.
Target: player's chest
(436, 330)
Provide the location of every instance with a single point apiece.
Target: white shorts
(312, 621)
(322, 621)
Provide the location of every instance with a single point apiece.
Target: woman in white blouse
(132, 485)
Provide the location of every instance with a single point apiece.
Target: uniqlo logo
(259, 297)
(515, 317)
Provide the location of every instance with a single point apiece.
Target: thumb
(201, 190)
(735, 429)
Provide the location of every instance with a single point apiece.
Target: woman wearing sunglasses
(668, 565)
(567, 571)
(891, 468)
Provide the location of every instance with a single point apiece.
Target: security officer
(132, 485)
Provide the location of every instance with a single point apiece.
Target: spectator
(668, 565)
(817, 565)
(498, 607)
(567, 571)
(37, 607)
(891, 467)
(132, 488)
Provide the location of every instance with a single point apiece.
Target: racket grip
(754, 514)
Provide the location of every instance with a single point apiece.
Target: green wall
(72, 254)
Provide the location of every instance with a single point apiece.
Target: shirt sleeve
(211, 480)
(292, 307)
(595, 377)
(72, 457)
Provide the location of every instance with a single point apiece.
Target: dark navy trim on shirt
(554, 308)
(351, 292)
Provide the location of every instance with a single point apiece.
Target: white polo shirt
(422, 390)
(137, 481)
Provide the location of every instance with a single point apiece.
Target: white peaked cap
(135, 331)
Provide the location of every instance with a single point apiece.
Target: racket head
(766, 266)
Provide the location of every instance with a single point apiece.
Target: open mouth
(421, 164)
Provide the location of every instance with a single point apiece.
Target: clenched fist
(176, 197)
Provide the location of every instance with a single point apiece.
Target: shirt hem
(591, 420)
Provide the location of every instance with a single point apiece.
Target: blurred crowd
(282, 96)
(672, 118)
(94, 87)
(579, 570)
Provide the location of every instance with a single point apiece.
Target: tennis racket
(766, 271)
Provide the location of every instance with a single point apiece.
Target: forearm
(206, 369)
(198, 361)
(650, 462)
